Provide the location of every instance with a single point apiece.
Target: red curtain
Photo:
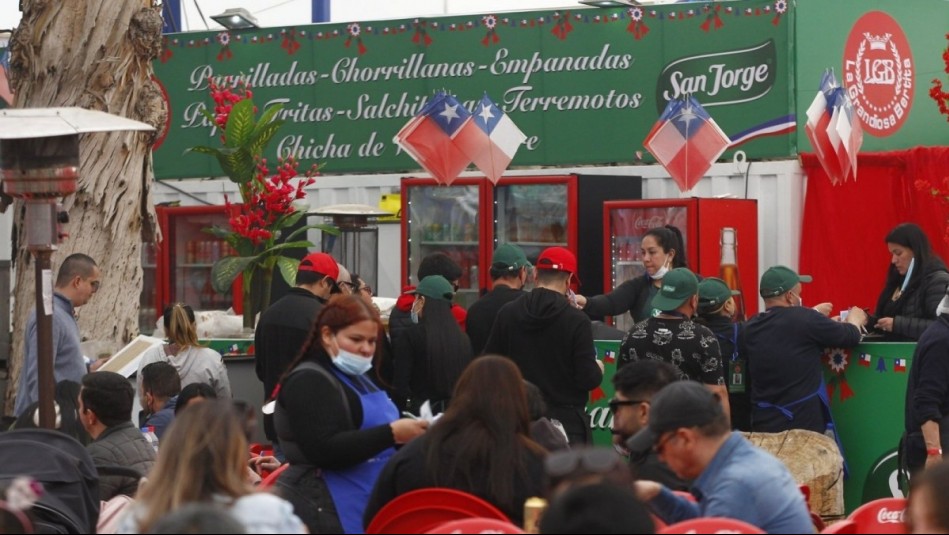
(842, 239)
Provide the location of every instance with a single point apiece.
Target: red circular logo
(878, 73)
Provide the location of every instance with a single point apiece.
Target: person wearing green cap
(431, 354)
(509, 270)
(784, 345)
(717, 310)
(672, 336)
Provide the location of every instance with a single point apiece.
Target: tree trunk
(94, 54)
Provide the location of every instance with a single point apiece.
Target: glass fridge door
(626, 230)
(192, 253)
(531, 216)
(446, 219)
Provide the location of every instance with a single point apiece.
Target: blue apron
(821, 394)
(351, 487)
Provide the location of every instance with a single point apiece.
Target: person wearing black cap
(552, 343)
(674, 338)
(431, 354)
(285, 325)
(783, 346)
(717, 312)
(509, 269)
(732, 478)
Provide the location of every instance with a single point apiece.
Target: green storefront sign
(585, 85)
(601, 419)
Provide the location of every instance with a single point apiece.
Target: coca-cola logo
(649, 222)
(879, 72)
(885, 516)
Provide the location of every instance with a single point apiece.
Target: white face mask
(943, 307)
(661, 272)
(351, 363)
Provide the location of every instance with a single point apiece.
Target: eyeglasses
(349, 285)
(594, 460)
(617, 403)
(367, 289)
(661, 445)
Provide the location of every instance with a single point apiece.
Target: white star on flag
(493, 141)
(449, 113)
(429, 138)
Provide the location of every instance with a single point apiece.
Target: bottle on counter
(728, 270)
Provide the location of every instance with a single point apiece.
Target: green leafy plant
(259, 228)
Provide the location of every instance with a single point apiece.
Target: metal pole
(44, 336)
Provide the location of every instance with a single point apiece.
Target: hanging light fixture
(236, 18)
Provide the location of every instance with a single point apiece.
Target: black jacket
(281, 332)
(630, 296)
(739, 402)
(482, 313)
(915, 310)
(552, 344)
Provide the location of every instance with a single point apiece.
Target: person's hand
(581, 301)
(406, 429)
(646, 490)
(933, 460)
(824, 308)
(857, 316)
(265, 463)
(98, 363)
(885, 325)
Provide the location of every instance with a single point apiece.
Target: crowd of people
(507, 383)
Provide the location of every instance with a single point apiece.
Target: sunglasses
(593, 460)
(617, 403)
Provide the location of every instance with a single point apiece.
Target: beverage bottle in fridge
(728, 270)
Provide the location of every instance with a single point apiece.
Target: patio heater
(357, 246)
(39, 164)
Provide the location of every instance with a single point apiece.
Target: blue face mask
(351, 363)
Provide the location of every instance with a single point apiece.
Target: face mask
(661, 272)
(414, 316)
(943, 307)
(351, 363)
(800, 302)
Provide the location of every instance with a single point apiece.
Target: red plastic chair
(476, 526)
(271, 479)
(844, 526)
(422, 510)
(884, 515)
(711, 525)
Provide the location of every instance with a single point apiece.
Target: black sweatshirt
(483, 312)
(927, 391)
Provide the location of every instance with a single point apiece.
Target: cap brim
(805, 278)
(642, 442)
(661, 302)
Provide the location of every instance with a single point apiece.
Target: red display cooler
(470, 218)
(721, 240)
(179, 269)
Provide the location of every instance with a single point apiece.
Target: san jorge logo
(719, 78)
(878, 73)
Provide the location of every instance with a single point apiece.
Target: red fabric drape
(842, 239)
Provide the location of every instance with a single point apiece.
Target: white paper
(424, 413)
(48, 292)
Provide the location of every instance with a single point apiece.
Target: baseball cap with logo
(435, 287)
(678, 286)
(558, 259)
(509, 257)
(321, 263)
(677, 405)
(713, 293)
(779, 280)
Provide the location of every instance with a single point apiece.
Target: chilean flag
(429, 138)
(899, 365)
(834, 130)
(865, 359)
(686, 141)
(491, 139)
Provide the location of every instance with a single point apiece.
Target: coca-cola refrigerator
(470, 218)
(721, 240)
(179, 268)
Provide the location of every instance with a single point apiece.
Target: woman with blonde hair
(194, 362)
(204, 460)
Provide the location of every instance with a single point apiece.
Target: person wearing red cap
(552, 342)
(285, 325)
